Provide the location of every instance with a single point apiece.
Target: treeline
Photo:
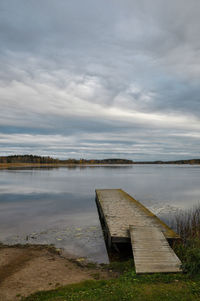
(27, 159)
(49, 160)
(190, 161)
(104, 161)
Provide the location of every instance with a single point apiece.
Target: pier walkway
(127, 220)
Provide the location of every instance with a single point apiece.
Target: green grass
(128, 287)
(119, 266)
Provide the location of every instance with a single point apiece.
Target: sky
(100, 79)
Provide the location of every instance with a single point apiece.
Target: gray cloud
(100, 78)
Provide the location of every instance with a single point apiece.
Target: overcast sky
(100, 78)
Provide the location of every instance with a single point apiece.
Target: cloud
(100, 78)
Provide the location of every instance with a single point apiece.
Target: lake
(57, 205)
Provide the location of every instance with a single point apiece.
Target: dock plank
(151, 251)
(121, 210)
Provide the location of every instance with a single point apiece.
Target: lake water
(57, 206)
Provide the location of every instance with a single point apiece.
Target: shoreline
(26, 269)
(57, 165)
(81, 261)
(51, 165)
(28, 273)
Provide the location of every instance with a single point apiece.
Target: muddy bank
(30, 268)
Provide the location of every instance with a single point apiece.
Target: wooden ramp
(127, 220)
(151, 251)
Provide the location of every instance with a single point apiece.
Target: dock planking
(127, 220)
(151, 251)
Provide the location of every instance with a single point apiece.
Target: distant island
(39, 160)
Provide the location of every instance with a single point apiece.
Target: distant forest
(48, 160)
(189, 161)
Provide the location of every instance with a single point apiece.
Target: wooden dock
(128, 221)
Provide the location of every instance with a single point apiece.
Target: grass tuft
(187, 225)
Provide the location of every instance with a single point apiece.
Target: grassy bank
(128, 287)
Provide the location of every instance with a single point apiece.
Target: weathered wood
(120, 210)
(151, 251)
(122, 214)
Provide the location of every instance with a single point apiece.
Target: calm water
(58, 205)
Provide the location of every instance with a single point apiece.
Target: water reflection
(58, 205)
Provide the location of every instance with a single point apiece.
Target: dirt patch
(24, 270)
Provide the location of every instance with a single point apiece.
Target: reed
(187, 225)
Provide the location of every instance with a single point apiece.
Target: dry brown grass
(187, 223)
(23, 165)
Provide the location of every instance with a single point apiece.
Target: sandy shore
(30, 268)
